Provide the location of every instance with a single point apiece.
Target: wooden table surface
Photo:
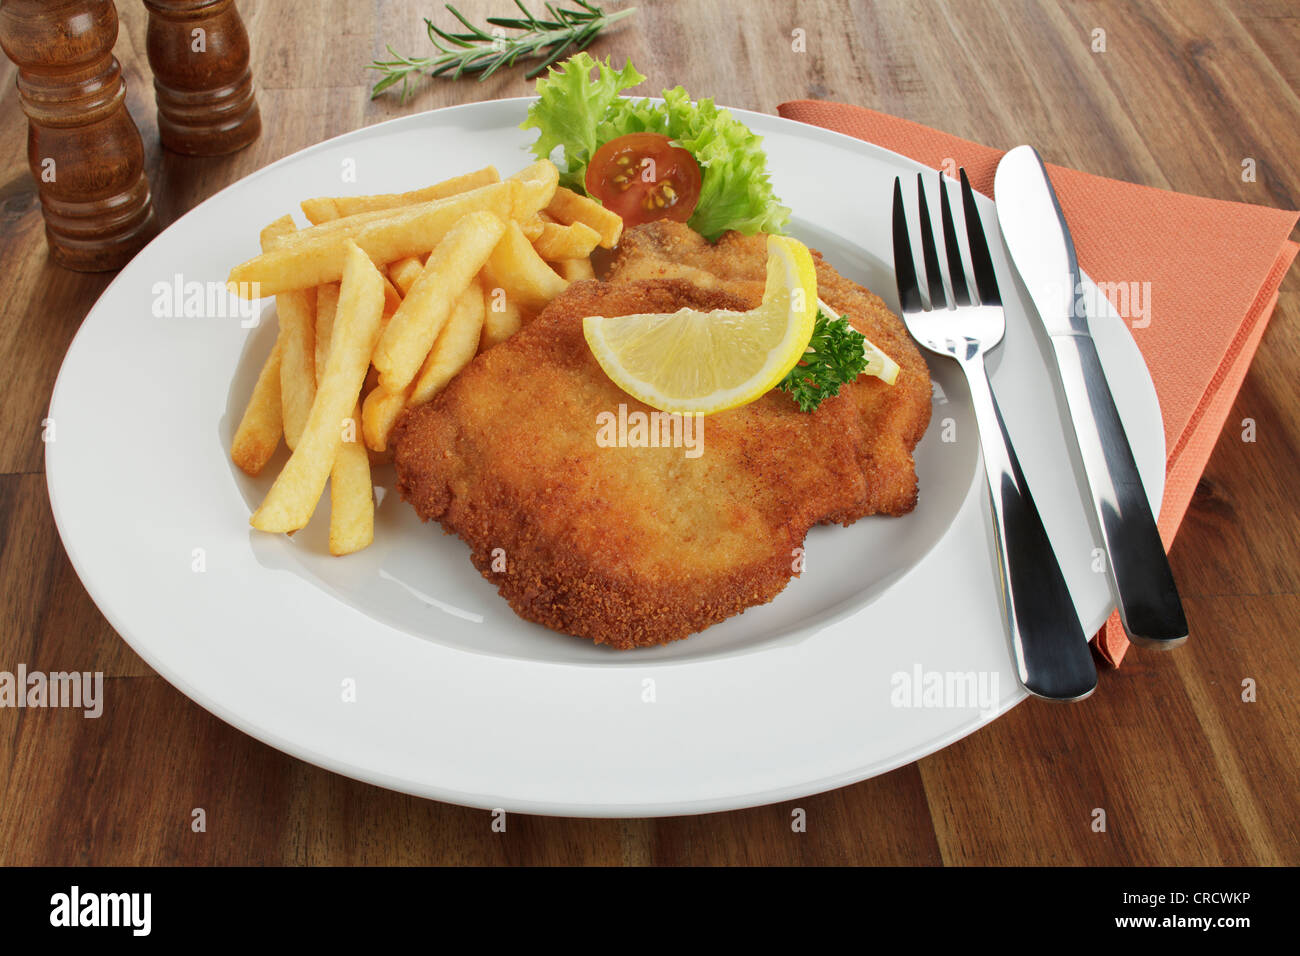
(1186, 771)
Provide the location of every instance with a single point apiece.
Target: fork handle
(1050, 649)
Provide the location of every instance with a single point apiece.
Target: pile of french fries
(381, 301)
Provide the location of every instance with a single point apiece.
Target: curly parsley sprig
(835, 357)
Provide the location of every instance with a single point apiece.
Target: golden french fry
(517, 268)
(457, 343)
(292, 499)
(352, 496)
(568, 207)
(348, 226)
(392, 298)
(296, 314)
(328, 208)
(415, 326)
(260, 427)
(574, 241)
(272, 232)
(502, 318)
(352, 505)
(381, 209)
(537, 185)
(411, 230)
(296, 311)
(378, 416)
(404, 272)
(327, 303)
(532, 227)
(575, 270)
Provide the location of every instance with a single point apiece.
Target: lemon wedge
(703, 362)
(879, 364)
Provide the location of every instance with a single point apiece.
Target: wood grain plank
(44, 306)
(879, 822)
(1026, 790)
(125, 785)
(49, 623)
(1255, 744)
(1278, 38)
(1157, 54)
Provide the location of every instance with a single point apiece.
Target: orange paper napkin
(1213, 269)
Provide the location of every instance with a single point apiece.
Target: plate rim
(733, 800)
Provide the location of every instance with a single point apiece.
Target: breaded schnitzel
(894, 417)
(637, 546)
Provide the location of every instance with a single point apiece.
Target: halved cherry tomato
(643, 177)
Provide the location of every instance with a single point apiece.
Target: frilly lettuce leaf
(571, 109)
(577, 114)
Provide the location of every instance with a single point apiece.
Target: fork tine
(909, 292)
(929, 254)
(956, 271)
(986, 282)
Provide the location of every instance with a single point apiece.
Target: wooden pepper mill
(198, 50)
(82, 145)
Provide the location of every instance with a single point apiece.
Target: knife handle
(1137, 565)
(1049, 645)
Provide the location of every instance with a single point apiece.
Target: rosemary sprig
(569, 29)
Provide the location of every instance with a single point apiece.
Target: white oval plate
(455, 697)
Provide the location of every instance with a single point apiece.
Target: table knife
(1039, 242)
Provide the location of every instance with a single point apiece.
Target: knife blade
(1038, 240)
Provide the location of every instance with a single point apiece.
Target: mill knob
(198, 50)
(83, 147)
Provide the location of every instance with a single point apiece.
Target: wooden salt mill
(198, 50)
(82, 145)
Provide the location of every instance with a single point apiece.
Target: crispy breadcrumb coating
(638, 546)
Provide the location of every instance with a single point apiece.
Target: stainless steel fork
(1050, 649)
